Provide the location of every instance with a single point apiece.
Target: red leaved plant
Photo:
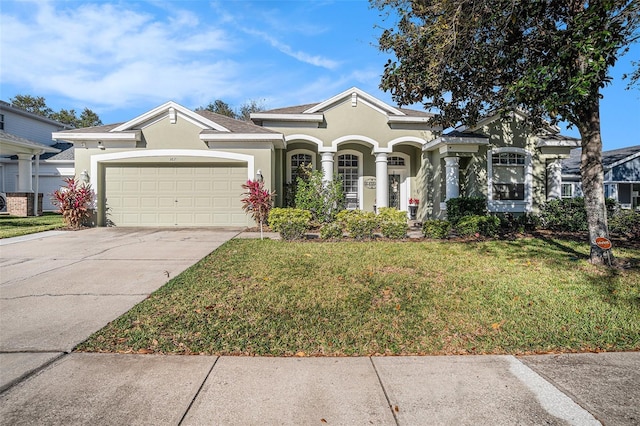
(257, 201)
(74, 201)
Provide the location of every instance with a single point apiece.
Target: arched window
(395, 161)
(296, 159)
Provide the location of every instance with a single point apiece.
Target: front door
(394, 191)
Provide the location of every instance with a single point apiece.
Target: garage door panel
(140, 195)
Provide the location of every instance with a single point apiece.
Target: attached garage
(175, 195)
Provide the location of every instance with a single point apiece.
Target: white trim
(164, 110)
(298, 151)
(362, 97)
(360, 171)
(356, 139)
(454, 141)
(96, 159)
(510, 205)
(410, 119)
(624, 160)
(306, 138)
(241, 137)
(405, 139)
(124, 136)
(313, 118)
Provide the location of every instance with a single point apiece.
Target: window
(567, 190)
(508, 176)
(297, 158)
(1, 121)
(395, 161)
(348, 170)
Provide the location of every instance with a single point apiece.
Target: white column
(327, 166)
(452, 177)
(382, 181)
(24, 173)
(554, 180)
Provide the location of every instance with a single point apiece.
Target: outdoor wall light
(259, 176)
(84, 176)
(100, 145)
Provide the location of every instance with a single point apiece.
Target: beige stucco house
(175, 167)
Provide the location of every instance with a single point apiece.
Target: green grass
(267, 297)
(13, 226)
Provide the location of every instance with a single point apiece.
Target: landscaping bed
(277, 298)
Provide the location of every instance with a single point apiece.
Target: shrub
(487, 226)
(290, 223)
(566, 214)
(323, 199)
(457, 208)
(627, 223)
(331, 230)
(392, 222)
(74, 202)
(521, 223)
(359, 224)
(257, 201)
(436, 228)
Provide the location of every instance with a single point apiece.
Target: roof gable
(355, 95)
(173, 111)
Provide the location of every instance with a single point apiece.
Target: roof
(11, 144)
(95, 129)
(571, 166)
(459, 134)
(67, 153)
(233, 125)
(299, 109)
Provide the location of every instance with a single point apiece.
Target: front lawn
(13, 226)
(253, 297)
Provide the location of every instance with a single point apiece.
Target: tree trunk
(592, 174)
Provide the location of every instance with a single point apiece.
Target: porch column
(382, 181)
(327, 166)
(24, 173)
(452, 177)
(554, 180)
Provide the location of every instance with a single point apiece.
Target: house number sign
(370, 183)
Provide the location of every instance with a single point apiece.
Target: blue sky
(122, 58)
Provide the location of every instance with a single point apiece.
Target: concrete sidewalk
(56, 289)
(579, 389)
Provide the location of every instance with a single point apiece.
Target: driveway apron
(57, 289)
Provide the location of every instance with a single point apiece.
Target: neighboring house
(30, 160)
(621, 176)
(173, 166)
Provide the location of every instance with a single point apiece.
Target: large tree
(219, 107)
(243, 113)
(549, 58)
(38, 105)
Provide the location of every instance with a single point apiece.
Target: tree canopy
(549, 58)
(243, 113)
(38, 105)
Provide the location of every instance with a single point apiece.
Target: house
(30, 160)
(175, 167)
(621, 176)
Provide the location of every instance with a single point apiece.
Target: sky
(123, 58)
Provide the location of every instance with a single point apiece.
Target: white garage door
(175, 196)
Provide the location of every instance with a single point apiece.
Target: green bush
(331, 230)
(625, 222)
(436, 228)
(569, 214)
(457, 208)
(290, 223)
(323, 199)
(487, 226)
(359, 224)
(392, 222)
(520, 223)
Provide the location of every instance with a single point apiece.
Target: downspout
(36, 183)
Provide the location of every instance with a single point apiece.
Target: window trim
(405, 181)
(360, 157)
(511, 205)
(566, 185)
(290, 154)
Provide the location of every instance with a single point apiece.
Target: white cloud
(109, 55)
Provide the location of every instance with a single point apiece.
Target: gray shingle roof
(234, 126)
(67, 152)
(97, 129)
(571, 165)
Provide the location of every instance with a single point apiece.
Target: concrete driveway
(57, 288)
